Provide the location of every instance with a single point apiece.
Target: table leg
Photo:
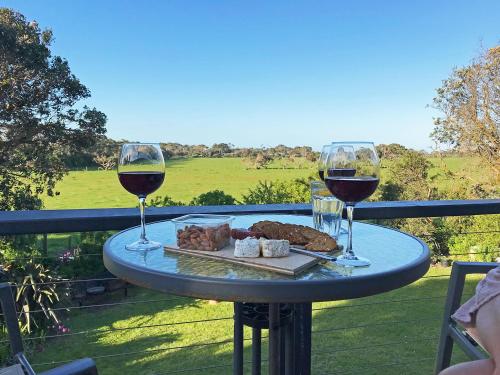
(238, 340)
(289, 348)
(302, 325)
(283, 338)
(274, 339)
(256, 350)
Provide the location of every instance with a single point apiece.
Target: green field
(187, 178)
(392, 333)
(467, 166)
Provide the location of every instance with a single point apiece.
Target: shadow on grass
(392, 333)
(105, 331)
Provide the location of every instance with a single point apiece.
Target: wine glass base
(143, 245)
(352, 261)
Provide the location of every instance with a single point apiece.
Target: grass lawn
(398, 335)
(187, 178)
(467, 166)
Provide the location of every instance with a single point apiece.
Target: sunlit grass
(187, 178)
(184, 179)
(386, 332)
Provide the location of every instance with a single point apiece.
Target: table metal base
(289, 328)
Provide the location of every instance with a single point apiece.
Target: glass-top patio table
(398, 259)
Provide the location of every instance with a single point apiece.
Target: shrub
(165, 201)
(86, 259)
(213, 198)
(296, 191)
(35, 289)
(483, 244)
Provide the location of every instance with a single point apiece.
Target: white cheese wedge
(247, 248)
(274, 248)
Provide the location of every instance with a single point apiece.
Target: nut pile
(194, 237)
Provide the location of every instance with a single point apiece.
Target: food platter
(292, 264)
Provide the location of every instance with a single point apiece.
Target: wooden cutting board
(290, 265)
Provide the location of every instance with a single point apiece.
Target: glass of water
(327, 210)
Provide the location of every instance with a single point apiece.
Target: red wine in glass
(321, 173)
(353, 175)
(141, 171)
(352, 189)
(141, 183)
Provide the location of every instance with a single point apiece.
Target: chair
(450, 332)
(84, 366)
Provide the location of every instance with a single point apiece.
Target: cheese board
(291, 265)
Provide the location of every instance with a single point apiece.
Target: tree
(409, 179)
(199, 151)
(312, 157)
(105, 152)
(470, 102)
(262, 160)
(105, 162)
(220, 149)
(390, 151)
(41, 120)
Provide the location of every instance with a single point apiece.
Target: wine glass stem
(348, 250)
(142, 204)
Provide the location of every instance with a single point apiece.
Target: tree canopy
(42, 119)
(470, 102)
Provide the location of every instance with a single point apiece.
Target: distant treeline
(104, 153)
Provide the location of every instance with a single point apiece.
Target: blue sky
(266, 72)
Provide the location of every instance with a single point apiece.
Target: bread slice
(310, 238)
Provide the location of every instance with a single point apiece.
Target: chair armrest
(85, 366)
(466, 268)
(467, 334)
(21, 358)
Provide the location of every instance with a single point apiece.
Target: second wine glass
(141, 171)
(352, 175)
(323, 158)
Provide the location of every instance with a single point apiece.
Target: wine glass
(141, 171)
(352, 175)
(337, 228)
(323, 157)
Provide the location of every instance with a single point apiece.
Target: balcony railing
(85, 220)
(328, 351)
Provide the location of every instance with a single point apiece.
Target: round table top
(398, 259)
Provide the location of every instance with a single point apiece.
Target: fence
(392, 343)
